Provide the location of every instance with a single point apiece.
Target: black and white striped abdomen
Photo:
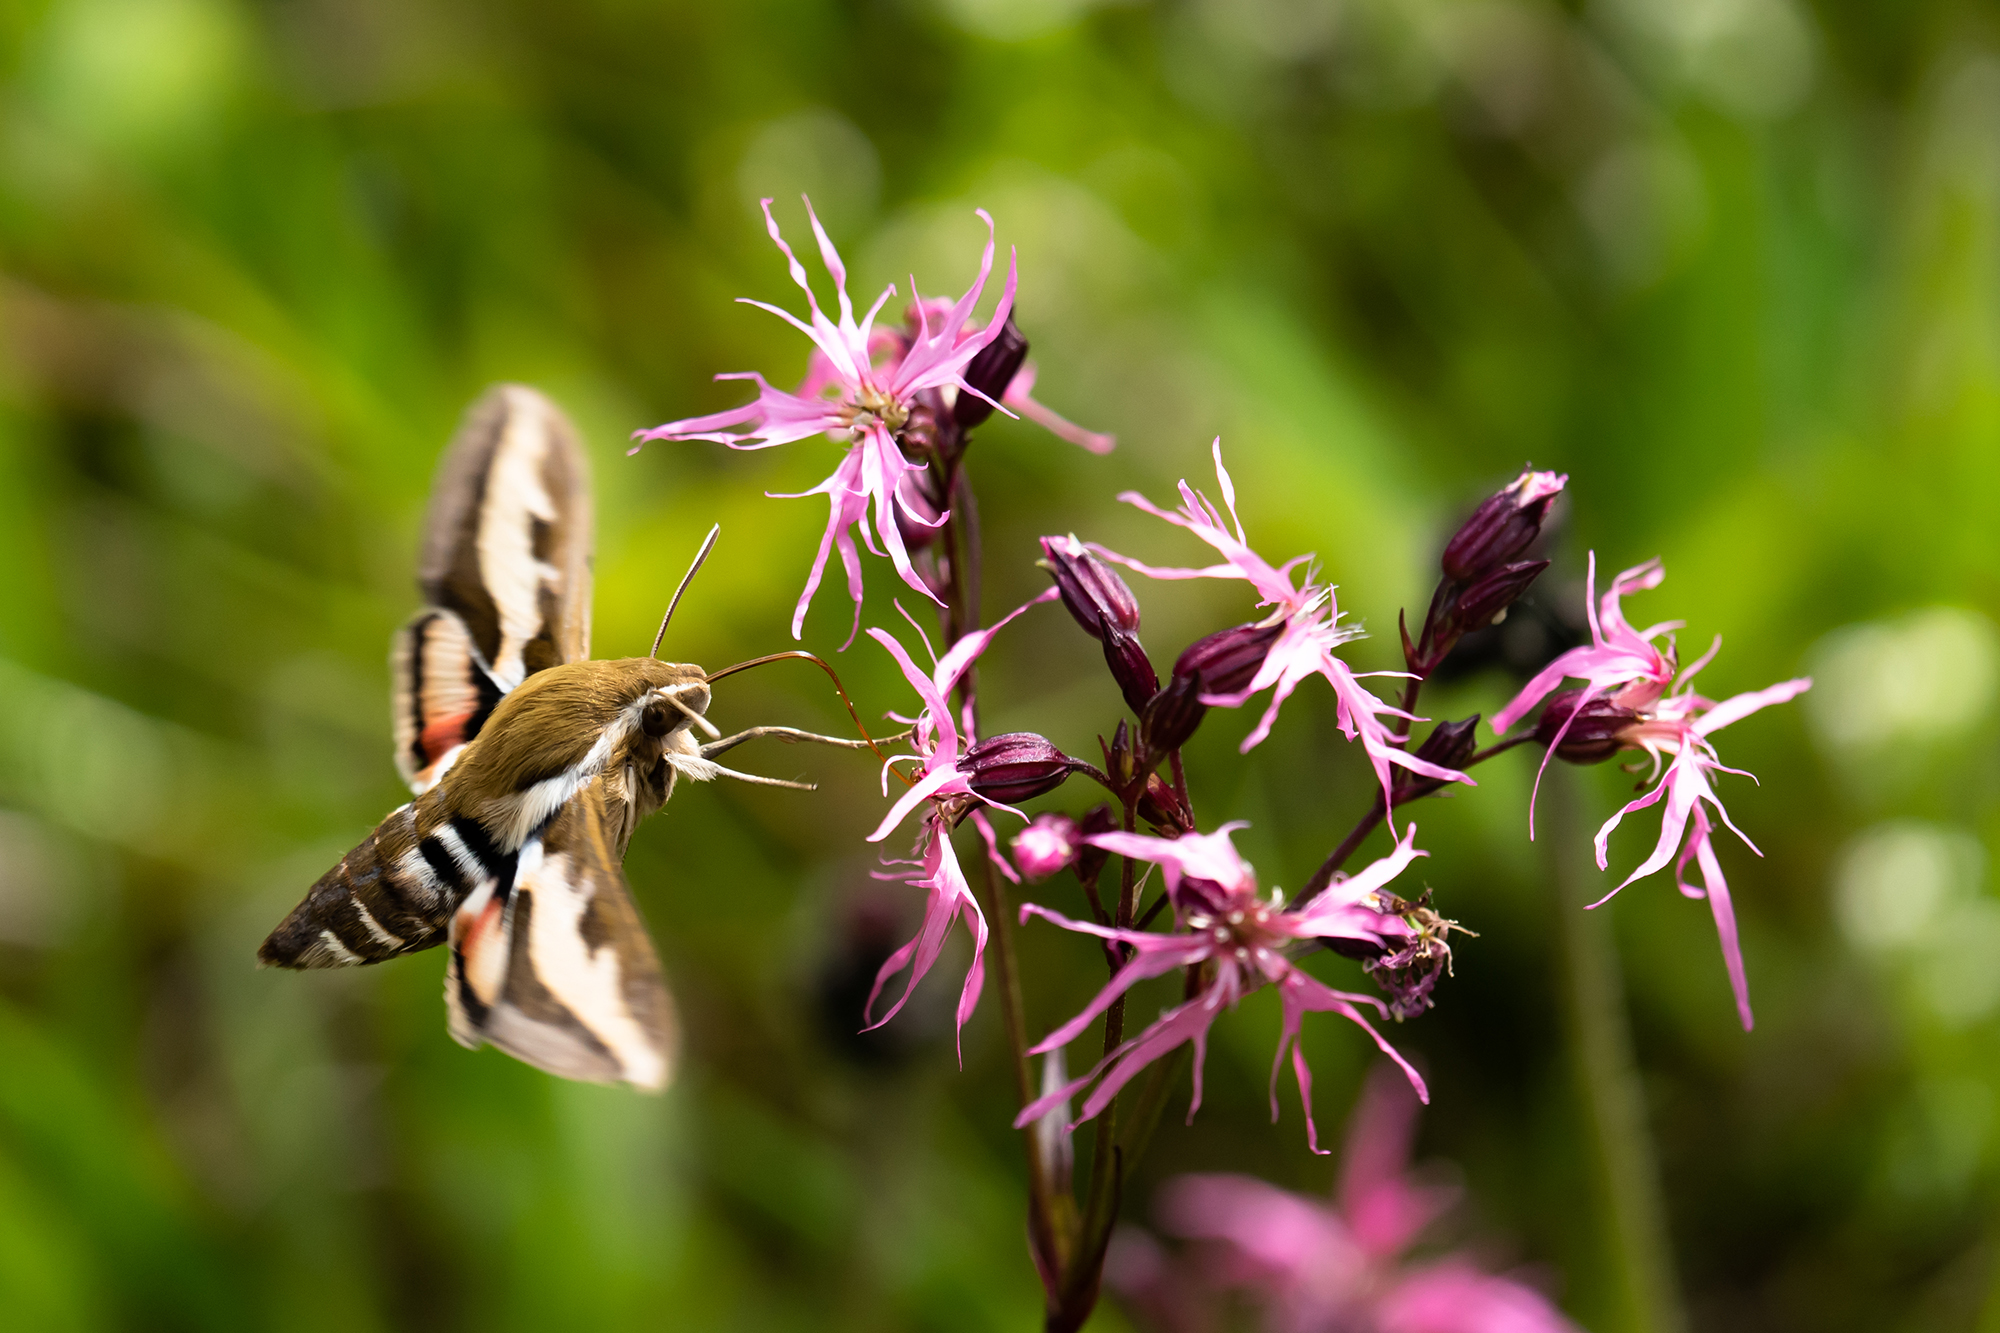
(394, 894)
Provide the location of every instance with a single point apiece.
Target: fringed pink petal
(992, 841)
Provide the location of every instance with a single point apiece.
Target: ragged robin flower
(947, 785)
(1233, 940)
(1675, 732)
(1308, 620)
(861, 386)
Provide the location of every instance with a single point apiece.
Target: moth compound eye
(660, 719)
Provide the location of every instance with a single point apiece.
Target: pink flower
(1310, 617)
(940, 742)
(1621, 663)
(860, 386)
(1318, 1265)
(1679, 726)
(1225, 923)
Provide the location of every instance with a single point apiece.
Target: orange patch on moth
(444, 733)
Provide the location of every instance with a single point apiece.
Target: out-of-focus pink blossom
(1312, 630)
(860, 386)
(1675, 733)
(940, 742)
(1223, 922)
(1316, 1265)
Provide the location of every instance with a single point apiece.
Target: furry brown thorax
(565, 724)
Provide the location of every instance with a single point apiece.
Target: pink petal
(1743, 705)
(1302, 995)
(1156, 955)
(1716, 889)
(992, 841)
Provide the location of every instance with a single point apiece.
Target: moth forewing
(561, 973)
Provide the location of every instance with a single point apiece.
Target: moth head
(672, 696)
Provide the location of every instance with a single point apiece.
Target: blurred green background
(1734, 265)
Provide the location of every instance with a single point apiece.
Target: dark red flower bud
(1174, 713)
(990, 372)
(1160, 805)
(1593, 731)
(1090, 860)
(1091, 589)
(1014, 767)
(1131, 668)
(1229, 659)
(1479, 604)
(1449, 744)
(1503, 527)
(1118, 758)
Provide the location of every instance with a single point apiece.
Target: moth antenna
(800, 654)
(707, 545)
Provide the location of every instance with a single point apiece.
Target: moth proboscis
(530, 765)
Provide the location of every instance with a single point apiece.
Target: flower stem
(1080, 1285)
(1366, 824)
(1051, 1244)
(1600, 1039)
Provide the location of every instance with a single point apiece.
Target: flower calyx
(1091, 589)
(1504, 526)
(1449, 745)
(990, 372)
(1587, 734)
(1228, 660)
(1173, 715)
(1015, 766)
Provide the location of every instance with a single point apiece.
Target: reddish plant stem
(1366, 824)
(1080, 1285)
(958, 541)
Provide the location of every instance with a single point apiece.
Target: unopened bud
(1479, 604)
(1048, 844)
(1091, 589)
(1174, 714)
(1229, 659)
(1131, 668)
(1090, 860)
(990, 372)
(1590, 735)
(1450, 744)
(1503, 527)
(1161, 806)
(1118, 755)
(1015, 767)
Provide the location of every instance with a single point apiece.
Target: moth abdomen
(384, 899)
